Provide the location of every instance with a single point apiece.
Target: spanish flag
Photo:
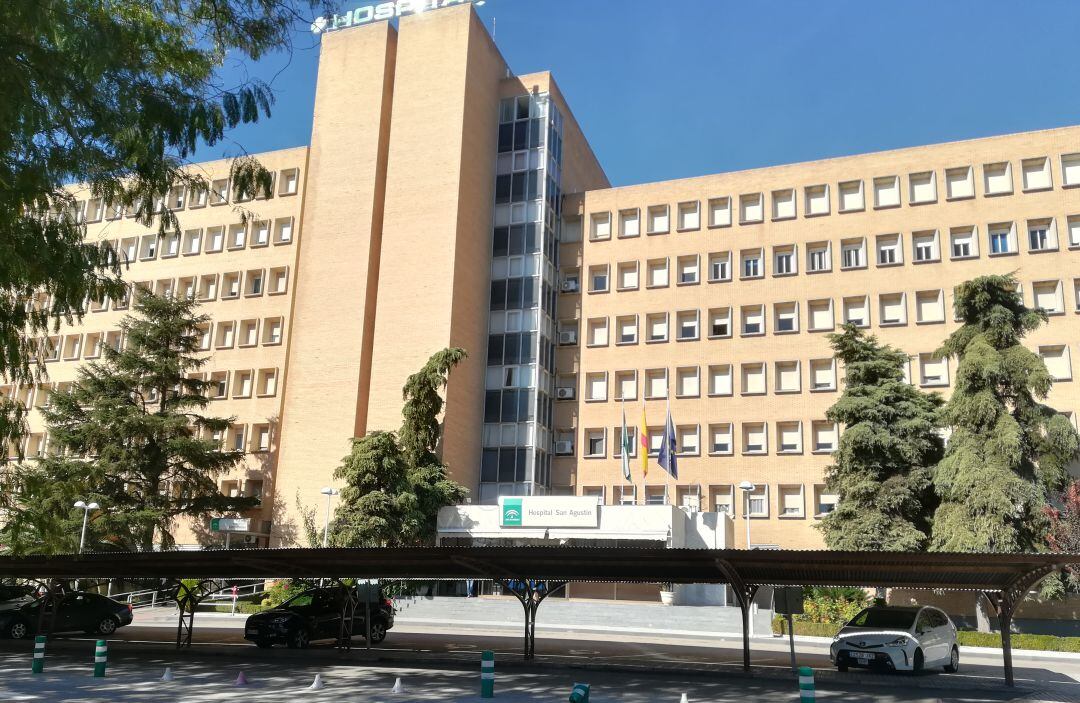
(643, 440)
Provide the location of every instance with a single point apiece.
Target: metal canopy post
(187, 600)
(1005, 604)
(744, 594)
(531, 595)
(348, 616)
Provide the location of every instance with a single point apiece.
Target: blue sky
(675, 88)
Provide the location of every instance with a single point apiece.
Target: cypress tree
(1008, 452)
(883, 464)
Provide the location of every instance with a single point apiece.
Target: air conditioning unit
(568, 337)
(564, 393)
(251, 539)
(566, 447)
(570, 285)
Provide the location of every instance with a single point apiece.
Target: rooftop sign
(382, 11)
(549, 511)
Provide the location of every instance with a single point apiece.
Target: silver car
(899, 639)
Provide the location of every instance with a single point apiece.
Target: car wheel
(17, 630)
(299, 639)
(917, 660)
(841, 667)
(954, 662)
(378, 631)
(264, 644)
(107, 626)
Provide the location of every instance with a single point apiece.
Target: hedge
(1046, 643)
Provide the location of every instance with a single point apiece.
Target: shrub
(1046, 643)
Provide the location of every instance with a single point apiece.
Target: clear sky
(675, 88)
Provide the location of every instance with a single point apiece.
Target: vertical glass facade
(521, 319)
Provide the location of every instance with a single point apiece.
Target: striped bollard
(101, 658)
(487, 674)
(39, 655)
(580, 694)
(806, 684)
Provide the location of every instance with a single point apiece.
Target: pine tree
(1008, 452)
(395, 484)
(130, 435)
(890, 444)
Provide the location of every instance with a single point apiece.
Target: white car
(900, 639)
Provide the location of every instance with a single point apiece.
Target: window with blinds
(753, 379)
(787, 377)
(790, 499)
(720, 380)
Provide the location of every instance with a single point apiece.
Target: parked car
(77, 612)
(900, 639)
(315, 614)
(15, 596)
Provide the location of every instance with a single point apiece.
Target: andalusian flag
(643, 441)
(627, 445)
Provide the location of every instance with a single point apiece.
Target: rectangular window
(1057, 361)
(689, 216)
(720, 439)
(824, 501)
(289, 181)
(755, 440)
(964, 243)
(851, 196)
(687, 325)
(1074, 231)
(1047, 296)
(720, 264)
(893, 309)
(783, 204)
(785, 260)
(687, 382)
(626, 385)
(719, 323)
(960, 183)
(929, 306)
(260, 233)
(596, 331)
(628, 275)
(922, 187)
(790, 501)
(925, 246)
(889, 252)
(997, 178)
(1042, 235)
(824, 436)
(753, 379)
(751, 264)
(629, 223)
(887, 192)
(933, 371)
(751, 208)
(283, 230)
(657, 273)
(598, 279)
(818, 257)
(786, 317)
(1036, 174)
(788, 377)
(627, 329)
(720, 212)
(688, 270)
(857, 311)
(659, 222)
(596, 386)
(817, 200)
(1001, 239)
(820, 314)
(753, 320)
(853, 254)
(601, 226)
(594, 443)
(656, 383)
(656, 326)
(720, 380)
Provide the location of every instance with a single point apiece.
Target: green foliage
(307, 522)
(965, 638)
(395, 484)
(129, 434)
(115, 95)
(835, 606)
(1008, 452)
(883, 464)
(281, 591)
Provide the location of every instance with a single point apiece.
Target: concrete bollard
(806, 684)
(101, 658)
(580, 694)
(487, 674)
(39, 655)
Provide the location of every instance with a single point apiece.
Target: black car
(315, 614)
(77, 612)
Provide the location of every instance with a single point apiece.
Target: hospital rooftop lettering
(382, 11)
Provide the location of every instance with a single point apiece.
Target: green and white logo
(511, 512)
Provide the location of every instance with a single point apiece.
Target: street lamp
(329, 493)
(746, 487)
(86, 508)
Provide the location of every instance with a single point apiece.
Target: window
(225, 332)
(785, 260)
(929, 306)
(687, 321)
(598, 279)
(187, 287)
(1042, 235)
(817, 200)
(219, 384)
(922, 187)
(215, 239)
(655, 383)
(853, 253)
(230, 285)
(253, 282)
(719, 323)
(892, 309)
(964, 242)
(283, 230)
(288, 181)
(596, 386)
(688, 270)
(687, 382)
(720, 440)
(260, 233)
(720, 212)
(997, 178)
(824, 501)
(657, 273)
(887, 191)
(788, 377)
(658, 219)
(1076, 294)
(237, 236)
(925, 246)
(751, 208)
(753, 320)
(820, 315)
(851, 196)
(267, 382)
(689, 216)
(818, 257)
(754, 440)
(272, 327)
(626, 385)
(824, 435)
(627, 276)
(279, 280)
(627, 329)
(148, 247)
(656, 495)
(889, 252)
(783, 204)
(596, 332)
(571, 281)
(164, 287)
(626, 495)
(1074, 231)
(786, 317)
(594, 443)
(720, 380)
(242, 384)
(1001, 239)
(129, 249)
(629, 223)
(1035, 174)
(933, 371)
(789, 501)
(1047, 296)
(687, 441)
(960, 183)
(1070, 170)
(857, 311)
(720, 264)
(753, 378)
(656, 327)
(172, 246)
(751, 264)
(601, 226)
(1057, 361)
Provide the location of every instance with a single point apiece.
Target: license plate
(863, 656)
(251, 631)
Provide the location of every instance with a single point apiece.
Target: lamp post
(746, 487)
(86, 508)
(329, 493)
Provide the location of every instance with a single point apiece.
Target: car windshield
(300, 600)
(884, 618)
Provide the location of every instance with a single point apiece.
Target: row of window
(209, 240)
(790, 499)
(886, 192)
(889, 250)
(181, 197)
